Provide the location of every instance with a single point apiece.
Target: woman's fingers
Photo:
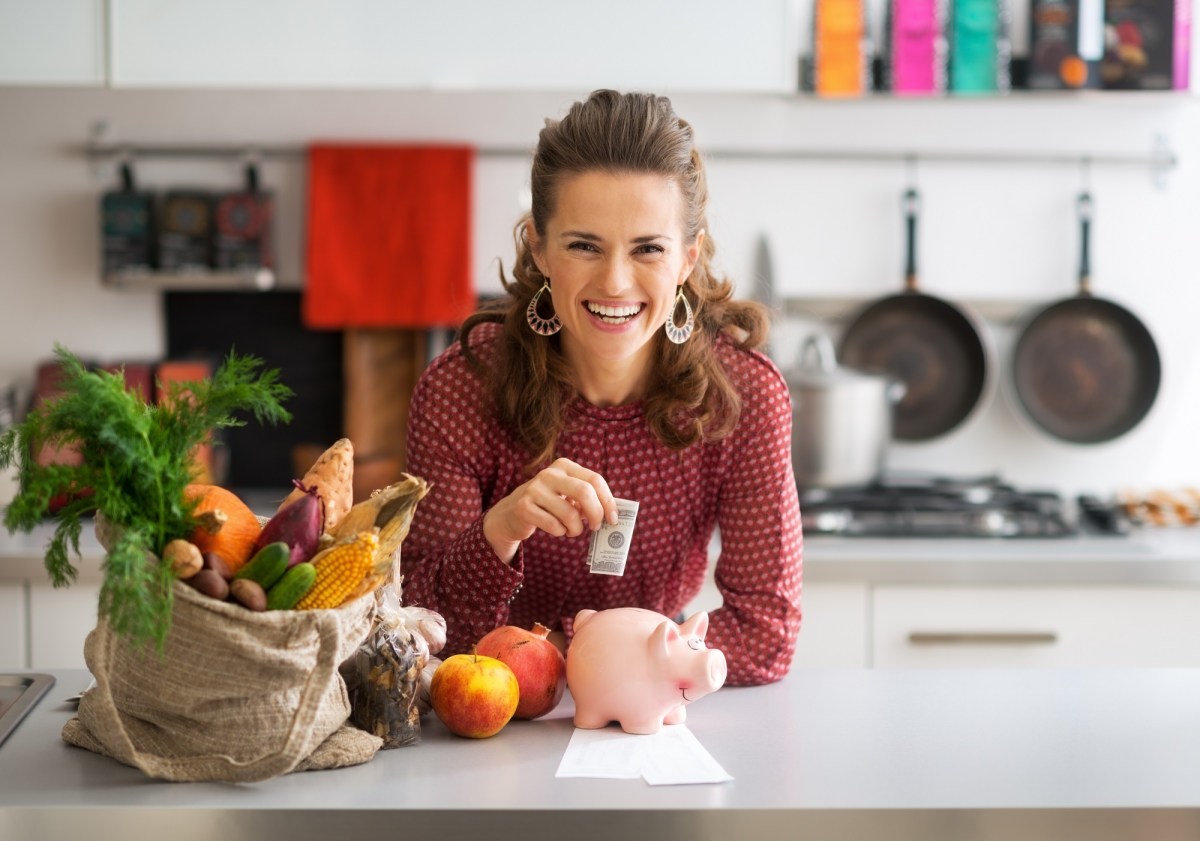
(588, 490)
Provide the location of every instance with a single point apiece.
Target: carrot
(333, 477)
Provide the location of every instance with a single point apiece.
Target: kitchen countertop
(843, 754)
(1162, 556)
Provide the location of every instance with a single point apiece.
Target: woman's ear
(692, 255)
(535, 247)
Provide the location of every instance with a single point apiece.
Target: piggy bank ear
(666, 633)
(695, 626)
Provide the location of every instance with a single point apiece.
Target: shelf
(246, 280)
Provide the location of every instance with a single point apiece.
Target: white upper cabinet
(52, 42)
(665, 45)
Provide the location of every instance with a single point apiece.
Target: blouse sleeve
(759, 570)
(447, 564)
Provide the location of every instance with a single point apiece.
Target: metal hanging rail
(1161, 159)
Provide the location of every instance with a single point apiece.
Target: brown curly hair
(689, 396)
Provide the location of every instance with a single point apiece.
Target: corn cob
(380, 506)
(340, 571)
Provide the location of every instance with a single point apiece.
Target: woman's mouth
(615, 314)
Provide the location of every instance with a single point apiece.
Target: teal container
(980, 47)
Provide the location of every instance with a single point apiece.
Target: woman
(618, 366)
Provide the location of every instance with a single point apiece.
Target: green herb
(137, 460)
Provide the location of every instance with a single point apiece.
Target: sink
(18, 695)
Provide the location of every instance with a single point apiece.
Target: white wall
(988, 232)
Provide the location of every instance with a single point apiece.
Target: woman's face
(615, 254)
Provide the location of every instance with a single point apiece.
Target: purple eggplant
(298, 524)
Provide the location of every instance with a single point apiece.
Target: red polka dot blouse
(742, 484)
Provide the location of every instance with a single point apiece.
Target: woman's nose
(617, 278)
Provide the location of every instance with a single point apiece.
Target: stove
(915, 505)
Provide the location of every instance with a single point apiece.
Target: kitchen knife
(764, 282)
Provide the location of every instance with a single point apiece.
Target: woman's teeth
(614, 315)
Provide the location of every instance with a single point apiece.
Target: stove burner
(916, 505)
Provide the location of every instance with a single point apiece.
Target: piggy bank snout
(717, 669)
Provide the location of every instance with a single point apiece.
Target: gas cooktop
(916, 505)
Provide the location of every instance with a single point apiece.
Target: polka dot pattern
(743, 484)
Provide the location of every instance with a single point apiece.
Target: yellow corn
(340, 571)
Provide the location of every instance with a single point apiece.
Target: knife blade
(764, 282)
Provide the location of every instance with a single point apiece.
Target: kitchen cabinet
(1118, 626)
(833, 633)
(697, 45)
(59, 621)
(12, 626)
(52, 42)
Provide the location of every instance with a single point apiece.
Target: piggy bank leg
(590, 720)
(642, 727)
(676, 716)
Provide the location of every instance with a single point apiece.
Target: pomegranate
(540, 668)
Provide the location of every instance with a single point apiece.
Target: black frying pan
(930, 345)
(1084, 369)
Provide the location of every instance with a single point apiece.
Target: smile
(686, 699)
(615, 314)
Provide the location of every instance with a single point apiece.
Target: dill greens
(137, 460)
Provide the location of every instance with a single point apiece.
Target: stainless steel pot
(841, 419)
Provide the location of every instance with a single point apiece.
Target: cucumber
(268, 565)
(294, 586)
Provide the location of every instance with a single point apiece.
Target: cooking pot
(841, 419)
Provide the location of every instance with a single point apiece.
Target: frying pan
(1084, 369)
(930, 345)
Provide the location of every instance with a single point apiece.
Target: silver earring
(542, 326)
(677, 333)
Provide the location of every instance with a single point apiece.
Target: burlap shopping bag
(235, 696)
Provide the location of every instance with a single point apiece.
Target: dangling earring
(676, 333)
(542, 326)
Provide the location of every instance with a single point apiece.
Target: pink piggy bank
(639, 668)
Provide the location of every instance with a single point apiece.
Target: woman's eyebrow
(595, 238)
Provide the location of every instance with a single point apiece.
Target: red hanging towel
(389, 236)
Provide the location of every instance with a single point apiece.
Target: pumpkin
(225, 524)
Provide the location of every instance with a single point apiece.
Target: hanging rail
(1160, 159)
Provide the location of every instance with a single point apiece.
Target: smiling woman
(617, 367)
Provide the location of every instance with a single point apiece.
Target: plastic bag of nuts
(383, 676)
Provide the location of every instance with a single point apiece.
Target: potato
(248, 593)
(183, 557)
(209, 583)
(217, 564)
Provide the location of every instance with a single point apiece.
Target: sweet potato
(333, 477)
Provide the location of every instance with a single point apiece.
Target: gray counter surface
(1161, 556)
(825, 753)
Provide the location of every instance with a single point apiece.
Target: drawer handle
(983, 637)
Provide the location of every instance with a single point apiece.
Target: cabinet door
(472, 44)
(12, 626)
(59, 621)
(833, 632)
(1036, 626)
(55, 42)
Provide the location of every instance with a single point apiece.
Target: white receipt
(672, 756)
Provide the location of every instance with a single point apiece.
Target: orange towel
(389, 236)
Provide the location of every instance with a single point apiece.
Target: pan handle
(1085, 208)
(911, 203)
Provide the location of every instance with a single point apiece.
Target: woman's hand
(557, 500)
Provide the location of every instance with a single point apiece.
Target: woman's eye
(650, 248)
(581, 245)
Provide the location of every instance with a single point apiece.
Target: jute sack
(235, 696)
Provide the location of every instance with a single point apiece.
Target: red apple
(540, 668)
(474, 695)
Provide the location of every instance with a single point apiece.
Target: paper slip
(672, 756)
